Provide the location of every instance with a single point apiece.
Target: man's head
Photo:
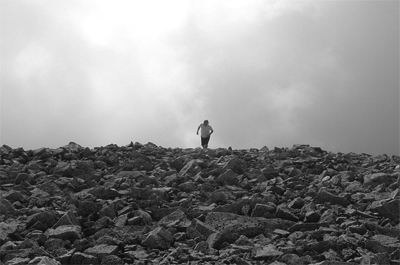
(205, 122)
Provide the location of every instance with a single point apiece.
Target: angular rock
(228, 177)
(86, 208)
(203, 228)
(48, 219)
(312, 216)
(65, 232)
(261, 210)
(325, 196)
(176, 219)
(14, 196)
(389, 209)
(216, 240)
(107, 210)
(138, 254)
(202, 247)
(266, 252)
(43, 261)
(158, 238)
(112, 260)
(20, 178)
(190, 168)
(83, 258)
(68, 218)
(101, 251)
(7, 229)
(373, 180)
(219, 196)
(381, 243)
(231, 163)
(244, 225)
(7, 209)
(285, 213)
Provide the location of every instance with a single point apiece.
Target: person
(205, 133)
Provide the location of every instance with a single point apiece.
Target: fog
(264, 73)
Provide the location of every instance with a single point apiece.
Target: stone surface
(65, 232)
(158, 238)
(102, 250)
(266, 252)
(145, 204)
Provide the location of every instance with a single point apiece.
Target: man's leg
(206, 142)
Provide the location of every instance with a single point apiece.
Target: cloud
(253, 79)
(269, 73)
(303, 77)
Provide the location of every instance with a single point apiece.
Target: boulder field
(145, 204)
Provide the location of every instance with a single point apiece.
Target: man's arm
(212, 130)
(198, 128)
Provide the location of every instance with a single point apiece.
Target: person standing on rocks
(205, 133)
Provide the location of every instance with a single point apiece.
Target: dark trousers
(204, 141)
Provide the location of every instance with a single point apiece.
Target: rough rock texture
(145, 204)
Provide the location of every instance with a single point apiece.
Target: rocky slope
(145, 204)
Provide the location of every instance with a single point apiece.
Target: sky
(264, 73)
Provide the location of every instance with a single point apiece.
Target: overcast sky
(264, 73)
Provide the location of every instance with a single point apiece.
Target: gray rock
(285, 213)
(43, 261)
(306, 226)
(228, 177)
(324, 196)
(375, 179)
(48, 219)
(266, 252)
(389, 209)
(83, 258)
(108, 210)
(20, 178)
(137, 255)
(231, 163)
(202, 247)
(65, 232)
(176, 219)
(382, 243)
(297, 203)
(7, 209)
(263, 210)
(50, 187)
(158, 238)
(177, 164)
(18, 261)
(85, 208)
(24, 253)
(188, 186)
(191, 168)
(112, 260)
(102, 250)
(203, 228)
(244, 225)
(8, 229)
(37, 236)
(68, 218)
(219, 196)
(291, 259)
(312, 216)
(216, 240)
(106, 193)
(14, 196)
